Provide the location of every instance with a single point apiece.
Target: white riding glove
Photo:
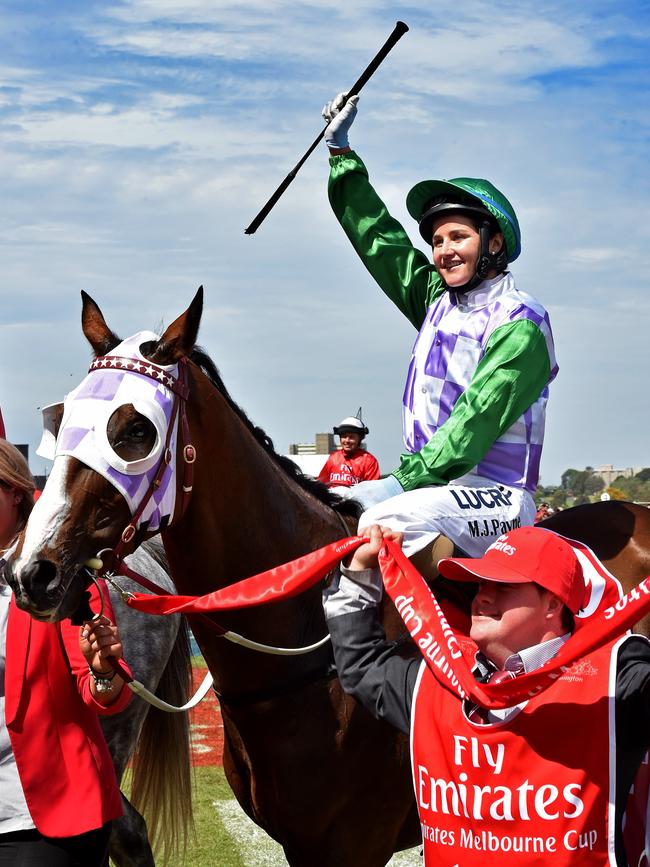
(339, 118)
(373, 492)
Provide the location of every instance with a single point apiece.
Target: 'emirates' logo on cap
(501, 544)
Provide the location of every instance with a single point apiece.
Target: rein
(234, 637)
(108, 565)
(119, 567)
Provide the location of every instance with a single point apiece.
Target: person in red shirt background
(350, 464)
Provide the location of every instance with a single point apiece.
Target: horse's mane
(322, 493)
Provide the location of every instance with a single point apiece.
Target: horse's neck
(246, 516)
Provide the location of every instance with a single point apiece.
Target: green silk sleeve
(403, 272)
(511, 375)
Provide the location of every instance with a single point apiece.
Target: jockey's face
(507, 618)
(349, 441)
(456, 246)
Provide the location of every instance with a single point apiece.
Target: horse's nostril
(40, 580)
(52, 587)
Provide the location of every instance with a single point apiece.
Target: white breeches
(472, 517)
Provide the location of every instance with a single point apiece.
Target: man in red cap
(544, 782)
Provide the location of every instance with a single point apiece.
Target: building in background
(310, 457)
(608, 473)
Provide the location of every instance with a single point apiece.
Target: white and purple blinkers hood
(87, 410)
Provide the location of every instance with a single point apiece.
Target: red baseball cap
(523, 555)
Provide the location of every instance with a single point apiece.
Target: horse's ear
(179, 338)
(94, 326)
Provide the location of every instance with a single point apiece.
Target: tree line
(586, 486)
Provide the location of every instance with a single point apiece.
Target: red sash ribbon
(440, 647)
(437, 640)
(282, 582)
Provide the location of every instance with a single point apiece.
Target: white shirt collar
(534, 657)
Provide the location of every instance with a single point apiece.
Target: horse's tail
(161, 788)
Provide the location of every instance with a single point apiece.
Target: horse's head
(113, 476)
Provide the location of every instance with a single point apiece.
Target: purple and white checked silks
(446, 353)
(83, 431)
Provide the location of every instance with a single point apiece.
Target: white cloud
(132, 170)
(595, 255)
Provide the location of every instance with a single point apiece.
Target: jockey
(350, 464)
(477, 384)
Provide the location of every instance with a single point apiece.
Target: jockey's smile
(456, 245)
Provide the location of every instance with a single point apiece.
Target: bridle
(180, 388)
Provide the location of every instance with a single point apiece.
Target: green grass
(213, 846)
(243, 844)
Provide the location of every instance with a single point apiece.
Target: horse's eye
(137, 432)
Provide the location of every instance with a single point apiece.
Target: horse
(300, 755)
(317, 772)
(157, 742)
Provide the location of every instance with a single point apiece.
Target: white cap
(351, 424)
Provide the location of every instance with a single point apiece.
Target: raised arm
(403, 272)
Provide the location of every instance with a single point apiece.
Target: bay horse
(330, 783)
(315, 770)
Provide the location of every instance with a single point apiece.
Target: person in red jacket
(350, 464)
(58, 790)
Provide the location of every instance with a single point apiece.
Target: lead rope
(140, 689)
(134, 685)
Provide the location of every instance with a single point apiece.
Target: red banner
(282, 582)
(440, 647)
(438, 642)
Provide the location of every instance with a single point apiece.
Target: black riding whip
(395, 36)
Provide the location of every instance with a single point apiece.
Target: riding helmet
(475, 196)
(351, 424)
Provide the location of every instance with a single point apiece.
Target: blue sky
(139, 139)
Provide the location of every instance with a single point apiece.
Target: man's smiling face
(507, 618)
